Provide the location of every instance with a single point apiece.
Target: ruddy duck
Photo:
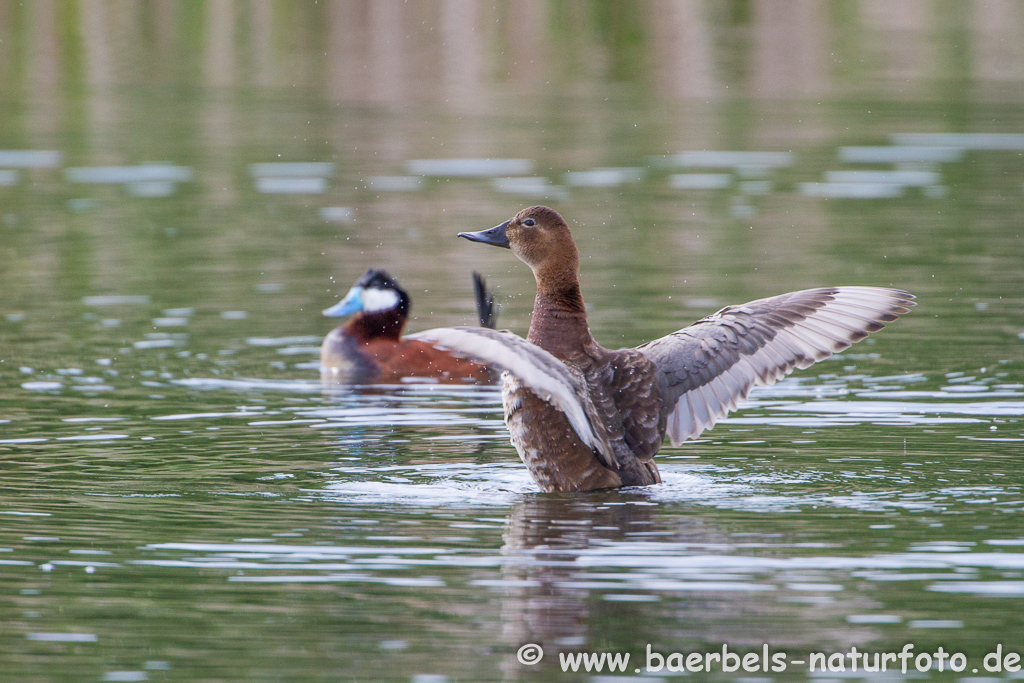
(369, 348)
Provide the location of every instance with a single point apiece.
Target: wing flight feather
(706, 369)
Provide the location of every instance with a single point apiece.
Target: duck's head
(540, 238)
(374, 294)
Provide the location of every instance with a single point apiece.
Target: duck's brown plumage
(583, 417)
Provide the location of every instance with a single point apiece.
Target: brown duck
(583, 417)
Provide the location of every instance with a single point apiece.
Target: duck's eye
(529, 222)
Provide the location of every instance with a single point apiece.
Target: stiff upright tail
(486, 310)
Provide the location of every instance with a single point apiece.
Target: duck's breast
(342, 359)
(548, 445)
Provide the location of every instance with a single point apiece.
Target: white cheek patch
(375, 300)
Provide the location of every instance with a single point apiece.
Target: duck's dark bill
(494, 236)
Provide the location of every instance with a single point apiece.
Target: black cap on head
(379, 279)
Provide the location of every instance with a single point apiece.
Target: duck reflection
(547, 600)
(585, 571)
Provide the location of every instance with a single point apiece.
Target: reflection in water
(604, 177)
(544, 600)
(291, 177)
(183, 499)
(469, 168)
(403, 521)
(29, 158)
(901, 154)
(379, 53)
(151, 180)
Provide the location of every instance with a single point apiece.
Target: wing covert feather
(629, 403)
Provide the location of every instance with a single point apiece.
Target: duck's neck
(559, 321)
(382, 325)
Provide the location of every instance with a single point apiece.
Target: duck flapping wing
(705, 369)
(541, 372)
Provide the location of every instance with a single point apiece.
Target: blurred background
(196, 151)
(185, 185)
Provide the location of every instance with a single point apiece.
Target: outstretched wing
(542, 373)
(705, 369)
